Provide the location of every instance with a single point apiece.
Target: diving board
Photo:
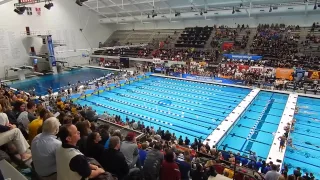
(216, 135)
(274, 154)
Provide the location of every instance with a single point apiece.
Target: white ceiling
(115, 11)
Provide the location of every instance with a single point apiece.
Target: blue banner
(51, 51)
(207, 78)
(242, 56)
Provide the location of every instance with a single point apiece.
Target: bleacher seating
(194, 37)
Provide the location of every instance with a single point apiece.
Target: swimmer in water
(304, 107)
(314, 119)
(282, 140)
(289, 142)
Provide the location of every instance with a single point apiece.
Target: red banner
(227, 45)
(314, 74)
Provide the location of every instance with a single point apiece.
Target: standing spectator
(43, 150)
(297, 172)
(169, 170)
(129, 148)
(180, 140)
(143, 153)
(198, 174)
(153, 162)
(184, 163)
(113, 160)
(273, 174)
(94, 149)
(71, 163)
(187, 141)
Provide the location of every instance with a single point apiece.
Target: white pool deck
(288, 114)
(231, 119)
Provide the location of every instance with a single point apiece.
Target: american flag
(38, 10)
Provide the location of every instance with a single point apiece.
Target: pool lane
(306, 138)
(254, 130)
(187, 113)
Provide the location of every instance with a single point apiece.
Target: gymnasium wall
(63, 21)
(302, 20)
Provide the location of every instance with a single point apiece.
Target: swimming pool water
(306, 138)
(254, 129)
(43, 83)
(183, 107)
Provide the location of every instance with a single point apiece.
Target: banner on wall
(284, 73)
(242, 56)
(227, 45)
(314, 74)
(51, 51)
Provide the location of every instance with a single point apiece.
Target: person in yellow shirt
(60, 104)
(37, 123)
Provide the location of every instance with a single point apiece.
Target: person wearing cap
(130, 150)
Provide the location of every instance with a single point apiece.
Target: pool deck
(221, 131)
(274, 154)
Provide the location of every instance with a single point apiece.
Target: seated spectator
(3, 117)
(91, 115)
(169, 169)
(94, 149)
(82, 143)
(113, 160)
(297, 172)
(43, 150)
(153, 162)
(187, 141)
(104, 133)
(37, 123)
(7, 109)
(71, 163)
(273, 174)
(22, 117)
(31, 108)
(129, 148)
(10, 133)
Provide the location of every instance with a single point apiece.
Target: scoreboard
(28, 1)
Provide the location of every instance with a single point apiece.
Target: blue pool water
(262, 118)
(43, 83)
(306, 138)
(186, 108)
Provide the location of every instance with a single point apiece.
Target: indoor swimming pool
(183, 107)
(305, 152)
(254, 130)
(43, 83)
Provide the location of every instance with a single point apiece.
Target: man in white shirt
(43, 149)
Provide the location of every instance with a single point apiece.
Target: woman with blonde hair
(7, 109)
(3, 117)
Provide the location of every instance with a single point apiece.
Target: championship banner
(284, 73)
(313, 74)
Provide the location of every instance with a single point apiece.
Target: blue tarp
(242, 56)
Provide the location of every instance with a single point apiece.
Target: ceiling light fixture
(49, 5)
(79, 2)
(20, 10)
